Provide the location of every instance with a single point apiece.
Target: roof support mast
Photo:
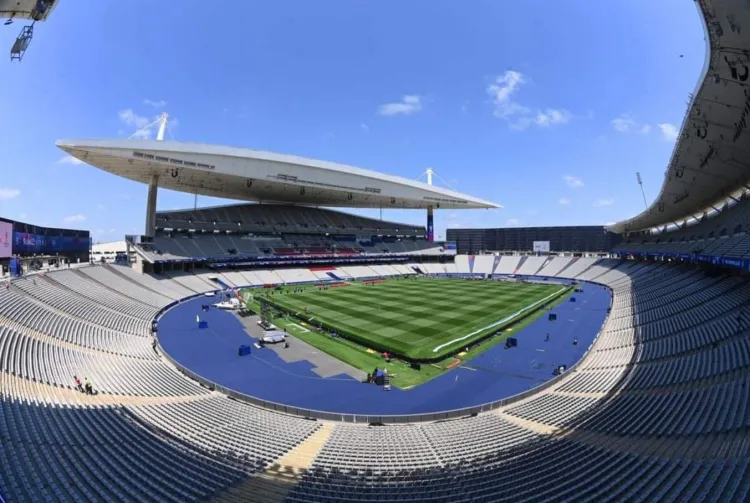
(153, 186)
(162, 126)
(430, 215)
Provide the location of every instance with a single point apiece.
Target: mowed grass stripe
(399, 311)
(434, 289)
(412, 317)
(405, 305)
(359, 313)
(421, 301)
(408, 306)
(405, 321)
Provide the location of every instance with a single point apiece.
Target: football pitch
(419, 319)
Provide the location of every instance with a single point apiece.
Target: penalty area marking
(299, 327)
(499, 322)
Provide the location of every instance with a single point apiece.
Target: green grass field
(419, 319)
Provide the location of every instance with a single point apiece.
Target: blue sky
(548, 108)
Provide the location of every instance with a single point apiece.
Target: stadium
(283, 349)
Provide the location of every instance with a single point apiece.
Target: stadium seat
(670, 363)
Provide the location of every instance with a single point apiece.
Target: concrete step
(275, 482)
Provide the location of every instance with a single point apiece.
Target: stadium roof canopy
(710, 165)
(252, 175)
(25, 9)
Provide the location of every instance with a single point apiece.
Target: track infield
(419, 319)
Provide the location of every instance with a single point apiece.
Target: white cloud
(6, 193)
(604, 202)
(573, 182)
(512, 222)
(69, 159)
(143, 126)
(138, 122)
(410, 104)
(624, 123)
(609, 223)
(564, 201)
(142, 134)
(74, 218)
(502, 92)
(364, 127)
(551, 117)
(129, 117)
(668, 131)
(100, 207)
(521, 124)
(155, 104)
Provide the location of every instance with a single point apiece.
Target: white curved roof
(711, 160)
(252, 175)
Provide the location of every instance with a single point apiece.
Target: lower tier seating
(656, 411)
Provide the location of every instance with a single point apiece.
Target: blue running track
(498, 373)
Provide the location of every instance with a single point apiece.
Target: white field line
(299, 327)
(499, 322)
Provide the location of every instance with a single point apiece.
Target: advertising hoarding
(26, 243)
(541, 246)
(6, 239)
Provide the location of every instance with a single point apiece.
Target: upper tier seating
(271, 229)
(175, 245)
(723, 235)
(277, 218)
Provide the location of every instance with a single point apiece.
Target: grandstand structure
(590, 239)
(656, 410)
(288, 194)
(723, 235)
(251, 232)
(707, 172)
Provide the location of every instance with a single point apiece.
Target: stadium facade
(563, 239)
